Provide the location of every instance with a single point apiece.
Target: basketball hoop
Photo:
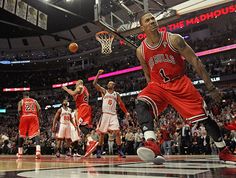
(106, 39)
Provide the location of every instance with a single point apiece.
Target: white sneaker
(145, 154)
(159, 160)
(76, 155)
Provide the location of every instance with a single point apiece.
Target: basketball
(73, 47)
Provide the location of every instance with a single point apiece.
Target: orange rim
(102, 32)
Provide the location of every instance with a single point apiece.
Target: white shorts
(64, 131)
(108, 122)
(74, 134)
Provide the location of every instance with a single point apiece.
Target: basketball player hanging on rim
(84, 111)
(29, 112)
(160, 55)
(109, 120)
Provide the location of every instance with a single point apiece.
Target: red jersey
(82, 97)
(163, 60)
(28, 106)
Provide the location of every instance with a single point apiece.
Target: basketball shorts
(108, 122)
(64, 131)
(85, 114)
(29, 126)
(74, 134)
(180, 94)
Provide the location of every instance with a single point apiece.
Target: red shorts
(85, 113)
(181, 94)
(29, 125)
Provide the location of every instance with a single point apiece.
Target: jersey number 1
(163, 75)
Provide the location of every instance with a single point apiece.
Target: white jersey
(65, 116)
(109, 102)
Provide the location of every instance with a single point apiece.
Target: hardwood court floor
(194, 166)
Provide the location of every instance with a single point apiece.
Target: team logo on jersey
(160, 58)
(164, 44)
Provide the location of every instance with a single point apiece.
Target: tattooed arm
(187, 52)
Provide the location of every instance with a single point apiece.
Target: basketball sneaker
(68, 154)
(76, 155)
(227, 156)
(99, 152)
(149, 151)
(121, 154)
(90, 148)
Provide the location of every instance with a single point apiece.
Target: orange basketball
(73, 47)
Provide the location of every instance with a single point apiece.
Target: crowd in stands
(217, 65)
(214, 41)
(174, 135)
(221, 64)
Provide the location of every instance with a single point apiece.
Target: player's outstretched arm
(187, 52)
(96, 85)
(122, 106)
(78, 90)
(143, 64)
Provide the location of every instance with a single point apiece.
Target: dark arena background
(34, 57)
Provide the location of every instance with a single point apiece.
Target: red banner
(200, 18)
(16, 89)
(195, 20)
(64, 84)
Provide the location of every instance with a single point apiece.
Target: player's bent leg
(75, 148)
(91, 146)
(38, 148)
(145, 119)
(58, 148)
(214, 131)
(118, 143)
(69, 149)
(99, 147)
(150, 149)
(20, 147)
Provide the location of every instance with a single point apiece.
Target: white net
(106, 39)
